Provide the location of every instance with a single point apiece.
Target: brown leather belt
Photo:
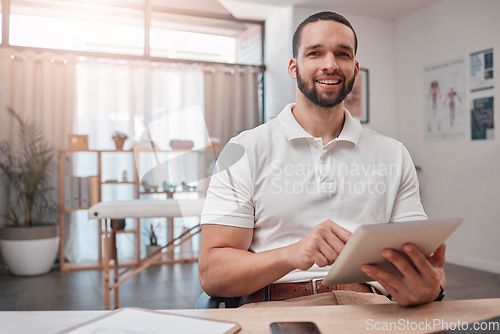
(283, 291)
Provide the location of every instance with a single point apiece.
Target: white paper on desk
(143, 321)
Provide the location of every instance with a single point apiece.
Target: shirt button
(315, 144)
(323, 161)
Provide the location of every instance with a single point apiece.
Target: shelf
(68, 150)
(120, 182)
(74, 209)
(172, 192)
(157, 192)
(139, 150)
(148, 150)
(99, 159)
(115, 151)
(89, 265)
(132, 231)
(92, 265)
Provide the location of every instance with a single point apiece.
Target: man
(277, 218)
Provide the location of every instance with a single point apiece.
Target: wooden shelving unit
(67, 266)
(133, 181)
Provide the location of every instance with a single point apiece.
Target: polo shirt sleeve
(407, 205)
(229, 195)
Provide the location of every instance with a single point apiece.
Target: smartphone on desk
(294, 327)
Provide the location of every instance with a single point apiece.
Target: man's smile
(328, 82)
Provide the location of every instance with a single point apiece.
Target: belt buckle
(314, 285)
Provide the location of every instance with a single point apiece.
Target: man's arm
(228, 269)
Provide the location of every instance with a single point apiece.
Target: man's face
(322, 100)
(325, 67)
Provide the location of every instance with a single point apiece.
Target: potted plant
(29, 240)
(119, 138)
(153, 241)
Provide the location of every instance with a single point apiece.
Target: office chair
(205, 301)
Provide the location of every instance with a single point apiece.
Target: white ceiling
(258, 9)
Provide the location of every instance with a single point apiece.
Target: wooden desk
(330, 319)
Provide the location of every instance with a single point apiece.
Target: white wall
(278, 86)
(459, 177)
(375, 52)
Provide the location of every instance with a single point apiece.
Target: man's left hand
(420, 282)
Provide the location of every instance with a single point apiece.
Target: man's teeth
(329, 82)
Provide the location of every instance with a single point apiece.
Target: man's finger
(334, 242)
(438, 258)
(320, 260)
(339, 231)
(400, 262)
(380, 275)
(327, 252)
(420, 261)
(390, 289)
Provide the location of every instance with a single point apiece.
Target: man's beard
(324, 102)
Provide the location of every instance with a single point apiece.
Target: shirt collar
(291, 128)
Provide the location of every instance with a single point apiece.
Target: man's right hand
(321, 245)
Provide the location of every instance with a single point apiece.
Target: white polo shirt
(285, 182)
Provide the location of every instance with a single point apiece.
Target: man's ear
(292, 68)
(357, 69)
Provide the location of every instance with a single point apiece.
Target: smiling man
(276, 220)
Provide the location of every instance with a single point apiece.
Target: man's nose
(330, 63)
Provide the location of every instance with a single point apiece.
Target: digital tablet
(367, 242)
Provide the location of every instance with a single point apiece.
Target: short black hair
(321, 16)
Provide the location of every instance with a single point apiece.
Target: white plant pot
(150, 249)
(33, 256)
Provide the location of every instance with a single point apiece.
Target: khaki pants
(330, 298)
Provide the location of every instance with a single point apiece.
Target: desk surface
(330, 319)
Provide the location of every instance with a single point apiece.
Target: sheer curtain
(41, 88)
(145, 100)
(231, 100)
(66, 94)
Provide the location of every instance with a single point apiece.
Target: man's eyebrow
(314, 46)
(346, 47)
(319, 45)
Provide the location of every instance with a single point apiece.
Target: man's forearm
(229, 272)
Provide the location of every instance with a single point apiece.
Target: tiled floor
(169, 287)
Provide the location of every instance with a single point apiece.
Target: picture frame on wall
(357, 101)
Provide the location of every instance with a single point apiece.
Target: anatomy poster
(481, 70)
(444, 99)
(481, 119)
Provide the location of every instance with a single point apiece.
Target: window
(118, 27)
(77, 26)
(188, 37)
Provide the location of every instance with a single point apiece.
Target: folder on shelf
(68, 194)
(75, 191)
(85, 192)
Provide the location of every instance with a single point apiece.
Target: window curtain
(231, 100)
(147, 101)
(41, 88)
